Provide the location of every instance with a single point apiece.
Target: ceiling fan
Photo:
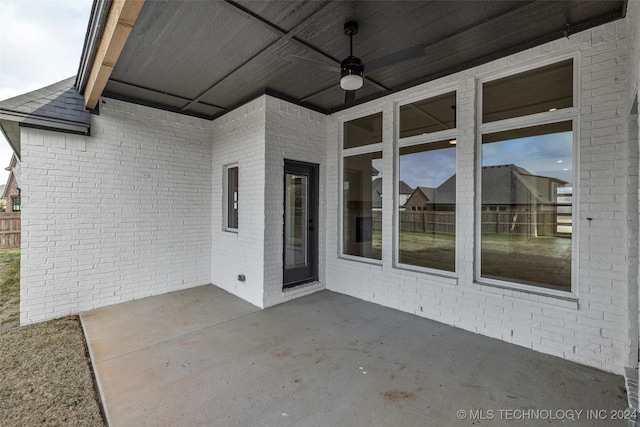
(352, 69)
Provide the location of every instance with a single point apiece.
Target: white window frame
(348, 152)
(571, 114)
(417, 140)
(225, 197)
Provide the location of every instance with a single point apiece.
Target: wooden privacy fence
(426, 221)
(539, 223)
(9, 229)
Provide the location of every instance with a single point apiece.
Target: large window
(426, 187)
(527, 179)
(362, 187)
(231, 198)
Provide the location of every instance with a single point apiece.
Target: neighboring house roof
(504, 185)
(6, 193)
(58, 107)
(6, 188)
(421, 196)
(403, 188)
(376, 192)
(429, 192)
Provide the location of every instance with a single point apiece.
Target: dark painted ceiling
(205, 58)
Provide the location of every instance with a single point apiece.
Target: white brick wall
(239, 138)
(292, 133)
(258, 137)
(592, 331)
(633, 44)
(119, 215)
(633, 28)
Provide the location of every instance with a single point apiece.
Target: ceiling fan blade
(316, 63)
(349, 96)
(395, 58)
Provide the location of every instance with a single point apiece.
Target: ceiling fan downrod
(351, 67)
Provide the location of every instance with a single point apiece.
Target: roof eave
(41, 122)
(95, 28)
(37, 122)
(97, 65)
(13, 138)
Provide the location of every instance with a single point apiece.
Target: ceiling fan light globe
(351, 82)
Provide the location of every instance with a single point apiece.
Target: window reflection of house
(513, 200)
(422, 198)
(404, 193)
(376, 194)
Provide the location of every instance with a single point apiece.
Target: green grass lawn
(9, 288)
(45, 374)
(429, 250)
(544, 260)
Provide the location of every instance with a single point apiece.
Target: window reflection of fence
(429, 222)
(527, 223)
(524, 222)
(9, 230)
(377, 220)
(425, 221)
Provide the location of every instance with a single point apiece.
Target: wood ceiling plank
(122, 17)
(458, 35)
(283, 37)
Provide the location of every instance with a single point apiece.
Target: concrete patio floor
(203, 357)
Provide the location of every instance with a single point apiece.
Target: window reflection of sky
(546, 155)
(428, 168)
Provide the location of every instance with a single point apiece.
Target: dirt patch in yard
(45, 375)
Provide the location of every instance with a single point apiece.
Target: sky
(428, 168)
(40, 44)
(545, 155)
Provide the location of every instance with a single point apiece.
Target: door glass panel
(296, 218)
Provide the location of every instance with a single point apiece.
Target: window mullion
(365, 149)
(424, 139)
(528, 121)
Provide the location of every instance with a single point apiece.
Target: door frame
(296, 276)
